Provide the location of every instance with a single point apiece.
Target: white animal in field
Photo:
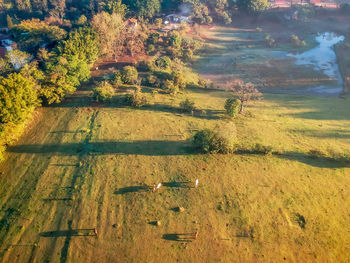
(159, 185)
(196, 183)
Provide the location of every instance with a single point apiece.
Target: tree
(244, 92)
(253, 6)
(33, 34)
(109, 28)
(209, 141)
(18, 58)
(104, 92)
(144, 8)
(59, 7)
(129, 75)
(232, 107)
(116, 7)
(9, 22)
(18, 97)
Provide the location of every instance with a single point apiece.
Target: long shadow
(133, 189)
(321, 162)
(183, 237)
(174, 184)
(69, 233)
(206, 114)
(151, 148)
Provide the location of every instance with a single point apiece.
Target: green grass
(83, 165)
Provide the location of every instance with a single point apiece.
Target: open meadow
(83, 165)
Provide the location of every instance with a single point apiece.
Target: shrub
(104, 92)
(163, 62)
(129, 75)
(137, 99)
(169, 87)
(209, 141)
(153, 38)
(187, 54)
(296, 41)
(187, 105)
(179, 79)
(232, 107)
(150, 49)
(117, 79)
(18, 98)
(152, 80)
(259, 29)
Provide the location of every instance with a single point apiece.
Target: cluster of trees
(202, 11)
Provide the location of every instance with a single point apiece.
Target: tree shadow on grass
(69, 233)
(201, 114)
(183, 237)
(174, 184)
(151, 148)
(316, 161)
(133, 189)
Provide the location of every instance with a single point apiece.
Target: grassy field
(83, 165)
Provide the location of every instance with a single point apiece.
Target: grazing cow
(196, 183)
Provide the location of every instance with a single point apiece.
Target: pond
(323, 58)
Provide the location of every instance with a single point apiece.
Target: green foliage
(270, 42)
(297, 42)
(82, 44)
(232, 106)
(163, 62)
(187, 54)
(18, 98)
(187, 105)
(174, 39)
(169, 87)
(32, 34)
(305, 12)
(104, 92)
(117, 79)
(144, 8)
(200, 13)
(9, 22)
(18, 58)
(137, 99)
(130, 75)
(116, 6)
(179, 79)
(253, 6)
(153, 38)
(82, 20)
(150, 49)
(208, 141)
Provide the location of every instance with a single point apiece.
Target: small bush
(117, 79)
(259, 29)
(296, 41)
(137, 99)
(179, 79)
(187, 105)
(104, 92)
(187, 54)
(152, 81)
(209, 141)
(169, 87)
(163, 62)
(129, 75)
(232, 107)
(150, 49)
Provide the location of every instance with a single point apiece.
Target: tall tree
(109, 28)
(244, 92)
